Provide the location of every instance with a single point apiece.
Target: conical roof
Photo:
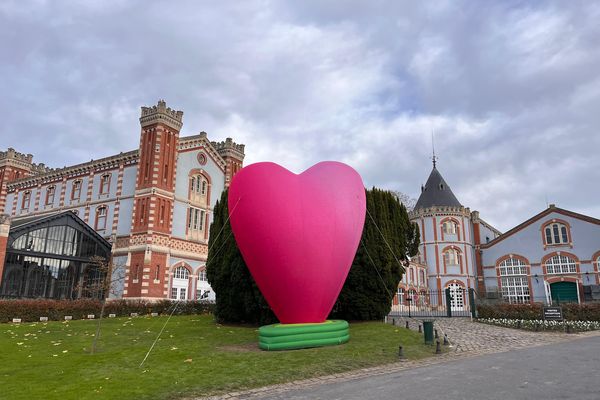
(436, 192)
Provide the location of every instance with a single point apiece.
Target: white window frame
(181, 273)
(196, 218)
(454, 260)
(401, 297)
(556, 233)
(202, 276)
(514, 283)
(561, 264)
(450, 227)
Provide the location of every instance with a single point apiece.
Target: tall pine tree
(238, 298)
(369, 288)
(388, 239)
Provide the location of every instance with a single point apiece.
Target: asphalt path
(567, 370)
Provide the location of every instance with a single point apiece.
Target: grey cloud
(510, 88)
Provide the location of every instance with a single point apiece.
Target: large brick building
(154, 204)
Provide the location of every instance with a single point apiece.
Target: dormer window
(556, 233)
(441, 186)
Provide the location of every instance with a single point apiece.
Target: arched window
(556, 233)
(105, 184)
(101, 218)
(449, 227)
(181, 273)
(202, 276)
(451, 257)
(412, 276)
(561, 264)
(76, 190)
(198, 185)
(50, 195)
(422, 273)
(179, 285)
(513, 281)
(26, 200)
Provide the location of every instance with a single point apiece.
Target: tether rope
(160, 333)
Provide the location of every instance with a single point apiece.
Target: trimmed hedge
(571, 311)
(56, 310)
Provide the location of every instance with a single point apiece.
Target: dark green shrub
(56, 310)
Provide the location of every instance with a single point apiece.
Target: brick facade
(142, 200)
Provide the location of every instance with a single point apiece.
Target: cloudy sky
(511, 89)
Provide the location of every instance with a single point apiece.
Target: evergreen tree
(238, 299)
(371, 284)
(388, 239)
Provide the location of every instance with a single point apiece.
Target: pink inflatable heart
(298, 234)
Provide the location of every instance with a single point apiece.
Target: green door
(564, 292)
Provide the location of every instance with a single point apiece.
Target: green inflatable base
(302, 336)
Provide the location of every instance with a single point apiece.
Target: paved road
(566, 370)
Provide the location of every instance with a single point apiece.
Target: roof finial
(433, 157)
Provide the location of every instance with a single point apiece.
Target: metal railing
(434, 303)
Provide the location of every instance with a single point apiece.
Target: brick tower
(13, 165)
(147, 274)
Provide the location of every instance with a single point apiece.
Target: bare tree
(405, 199)
(106, 275)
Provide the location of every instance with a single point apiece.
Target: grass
(194, 357)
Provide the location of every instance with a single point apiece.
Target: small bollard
(407, 327)
(438, 349)
(568, 328)
(400, 353)
(537, 327)
(436, 334)
(420, 329)
(446, 342)
(519, 324)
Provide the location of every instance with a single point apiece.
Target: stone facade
(154, 203)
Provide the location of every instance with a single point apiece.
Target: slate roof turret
(436, 192)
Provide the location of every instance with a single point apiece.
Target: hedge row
(571, 311)
(56, 310)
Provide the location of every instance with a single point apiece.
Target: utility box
(428, 332)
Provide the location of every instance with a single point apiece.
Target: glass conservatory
(54, 257)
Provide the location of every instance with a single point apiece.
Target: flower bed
(571, 311)
(541, 325)
(32, 310)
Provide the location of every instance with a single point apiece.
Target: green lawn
(193, 357)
